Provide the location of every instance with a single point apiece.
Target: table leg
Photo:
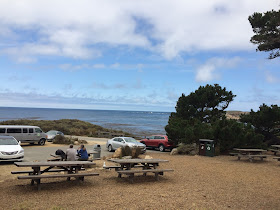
(36, 171)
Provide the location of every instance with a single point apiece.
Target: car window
(115, 139)
(2, 130)
(30, 130)
(8, 141)
(131, 140)
(51, 133)
(14, 130)
(24, 130)
(38, 130)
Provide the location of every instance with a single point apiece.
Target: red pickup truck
(158, 141)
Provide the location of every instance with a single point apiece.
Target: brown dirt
(197, 183)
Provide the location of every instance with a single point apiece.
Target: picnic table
(275, 149)
(131, 166)
(71, 169)
(250, 153)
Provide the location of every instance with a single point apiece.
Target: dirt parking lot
(197, 183)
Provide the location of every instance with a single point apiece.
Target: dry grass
(197, 183)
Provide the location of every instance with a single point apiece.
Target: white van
(24, 133)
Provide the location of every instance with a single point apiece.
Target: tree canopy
(266, 27)
(206, 104)
(201, 115)
(266, 121)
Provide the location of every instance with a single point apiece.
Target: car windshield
(51, 132)
(8, 141)
(131, 140)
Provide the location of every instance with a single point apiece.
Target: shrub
(67, 126)
(187, 149)
(65, 140)
(134, 152)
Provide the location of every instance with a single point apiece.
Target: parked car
(115, 143)
(10, 149)
(24, 133)
(158, 141)
(52, 134)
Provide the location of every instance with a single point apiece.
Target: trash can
(206, 147)
(96, 151)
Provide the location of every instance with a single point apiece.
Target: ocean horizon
(139, 123)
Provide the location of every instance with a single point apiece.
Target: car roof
(7, 137)
(17, 126)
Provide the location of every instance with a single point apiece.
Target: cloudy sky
(131, 55)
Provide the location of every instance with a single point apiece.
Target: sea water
(135, 122)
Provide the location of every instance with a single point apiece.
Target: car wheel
(161, 148)
(110, 148)
(41, 142)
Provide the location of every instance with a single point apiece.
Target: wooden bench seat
(118, 167)
(51, 170)
(37, 178)
(275, 151)
(131, 173)
(277, 158)
(112, 167)
(251, 157)
(55, 159)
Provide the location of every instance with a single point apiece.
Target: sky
(131, 54)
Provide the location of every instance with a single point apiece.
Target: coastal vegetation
(67, 126)
(202, 115)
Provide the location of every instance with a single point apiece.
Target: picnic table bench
(250, 153)
(71, 169)
(127, 167)
(275, 149)
(277, 158)
(131, 173)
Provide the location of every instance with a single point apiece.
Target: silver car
(117, 142)
(52, 134)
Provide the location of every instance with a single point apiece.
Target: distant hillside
(235, 114)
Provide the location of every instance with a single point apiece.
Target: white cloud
(75, 29)
(208, 71)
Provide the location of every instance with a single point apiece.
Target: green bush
(65, 140)
(134, 152)
(187, 149)
(67, 126)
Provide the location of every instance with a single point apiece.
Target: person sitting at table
(60, 153)
(82, 152)
(71, 153)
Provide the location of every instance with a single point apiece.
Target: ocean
(139, 123)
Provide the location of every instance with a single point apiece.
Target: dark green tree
(195, 113)
(206, 104)
(266, 121)
(201, 115)
(230, 134)
(266, 27)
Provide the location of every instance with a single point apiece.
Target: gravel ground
(197, 183)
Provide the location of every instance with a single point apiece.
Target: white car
(10, 149)
(115, 143)
(52, 134)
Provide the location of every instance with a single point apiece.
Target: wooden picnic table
(275, 149)
(72, 169)
(251, 153)
(127, 166)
